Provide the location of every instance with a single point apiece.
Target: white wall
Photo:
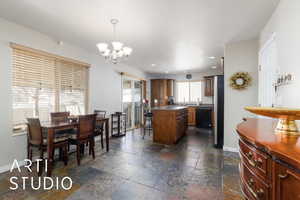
(240, 56)
(105, 82)
(285, 22)
(182, 77)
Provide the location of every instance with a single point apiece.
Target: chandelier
(117, 50)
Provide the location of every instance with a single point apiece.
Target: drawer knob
(249, 155)
(260, 193)
(251, 182)
(259, 162)
(283, 176)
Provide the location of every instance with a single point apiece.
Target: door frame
(132, 78)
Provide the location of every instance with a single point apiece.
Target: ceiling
(175, 35)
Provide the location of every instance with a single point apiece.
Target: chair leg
(90, 147)
(42, 163)
(28, 151)
(102, 145)
(93, 147)
(53, 153)
(82, 146)
(66, 155)
(78, 149)
(144, 130)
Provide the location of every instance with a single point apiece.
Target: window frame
(58, 59)
(189, 85)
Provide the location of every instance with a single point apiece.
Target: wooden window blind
(43, 83)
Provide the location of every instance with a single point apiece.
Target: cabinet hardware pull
(249, 155)
(259, 162)
(251, 182)
(252, 163)
(258, 194)
(283, 176)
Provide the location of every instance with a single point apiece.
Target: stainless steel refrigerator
(218, 98)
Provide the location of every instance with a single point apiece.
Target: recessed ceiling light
(214, 67)
(153, 65)
(212, 57)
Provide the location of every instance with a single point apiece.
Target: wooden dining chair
(37, 139)
(85, 134)
(100, 125)
(61, 117)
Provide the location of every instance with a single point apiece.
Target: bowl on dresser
(286, 118)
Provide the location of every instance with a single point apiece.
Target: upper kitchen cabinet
(209, 86)
(161, 89)
(170, 87)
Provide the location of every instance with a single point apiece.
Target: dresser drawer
(252, 186)
(256, 160)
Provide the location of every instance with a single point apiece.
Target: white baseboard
(231, 149)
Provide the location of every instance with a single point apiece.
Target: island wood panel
(192, 116)
(269, 167)
(169, 125)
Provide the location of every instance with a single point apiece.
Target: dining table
(51, 127)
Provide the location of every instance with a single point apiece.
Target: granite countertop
(171, 107)
(201, 105)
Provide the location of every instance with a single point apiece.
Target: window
(188, 92)
(43, 84)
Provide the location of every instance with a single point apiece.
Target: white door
(268, 72)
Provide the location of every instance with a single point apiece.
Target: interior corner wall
(285, 23)
(239, 56)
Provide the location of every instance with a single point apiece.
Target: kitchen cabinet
(209, 86)
(170, 87)
(161, 89)
(192, 116)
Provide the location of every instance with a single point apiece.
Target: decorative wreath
(240, 80)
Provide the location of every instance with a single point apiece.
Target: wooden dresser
(169, 124)
(270, 163)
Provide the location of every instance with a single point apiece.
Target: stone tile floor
(136, 168)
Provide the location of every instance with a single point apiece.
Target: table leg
(107, 134)
(50, 144)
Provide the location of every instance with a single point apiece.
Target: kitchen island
(169, 123)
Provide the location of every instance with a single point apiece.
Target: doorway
(268, 72)
(132, 102)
